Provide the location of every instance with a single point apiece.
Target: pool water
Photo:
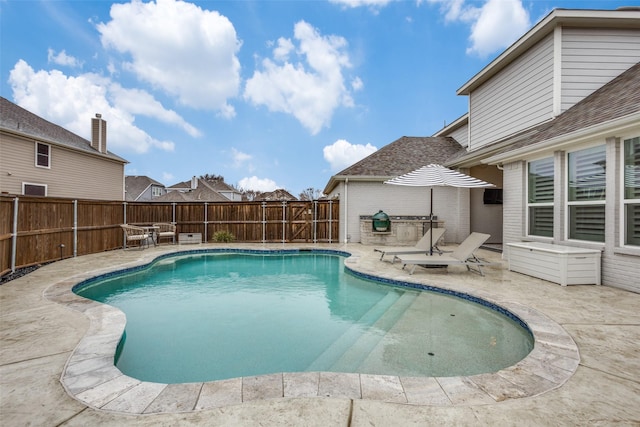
(208, 317)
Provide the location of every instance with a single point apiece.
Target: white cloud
(167, 177)
(342, 153)
(494, 26)
(375, 4)
(71, 101)
(188, 52)
(310, 89)
(501, 22)
(242, 160)
(257, 184)
(62, 58)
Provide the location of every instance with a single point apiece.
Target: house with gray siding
(40, 158)
(142, 188)
(558, 113)
(553, 121)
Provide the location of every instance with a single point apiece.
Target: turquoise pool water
(205, 317)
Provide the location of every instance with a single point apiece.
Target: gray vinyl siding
(519, 97)
(593, 57)
(72, 174)
(461, 135)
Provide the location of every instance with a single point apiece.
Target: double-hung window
(586, 193)
(43, 155)
(631, 200)
(540, 197)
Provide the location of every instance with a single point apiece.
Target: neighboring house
(142, 189)
(557, 117)
(39, 158)
(279, 194)
(195, 190)
(362, 192)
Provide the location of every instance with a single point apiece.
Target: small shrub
(223, 237)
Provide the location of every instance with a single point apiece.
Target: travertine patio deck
(53, 340)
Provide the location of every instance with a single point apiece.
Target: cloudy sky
(270, 93)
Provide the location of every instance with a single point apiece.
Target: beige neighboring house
(39, 158)
(142, 189)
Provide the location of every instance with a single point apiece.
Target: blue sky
(269, 94)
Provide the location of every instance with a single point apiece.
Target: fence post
(314, 221)
(284, 220)
(330, 221)
(206, 223)
(14, 235)
(75, 228)
(264, 222)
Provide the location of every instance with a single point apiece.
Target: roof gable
(404, 155)
(14, 118)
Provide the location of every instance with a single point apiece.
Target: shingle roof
(404, 155)
(200, 194)
(14, 118)
(135, 185)
(616, 99)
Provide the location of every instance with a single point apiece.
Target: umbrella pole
(431, 223)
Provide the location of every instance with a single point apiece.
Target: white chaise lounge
(422, 247)
(462, 255)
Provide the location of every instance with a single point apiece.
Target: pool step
(353, 346)
(353, 357)
(346, 340)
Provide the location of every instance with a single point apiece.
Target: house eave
(337, 179)
(617, 126)
(558, 17)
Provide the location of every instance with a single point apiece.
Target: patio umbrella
(437, 175)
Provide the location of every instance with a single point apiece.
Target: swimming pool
(258, 313)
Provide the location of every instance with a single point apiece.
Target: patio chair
(422, 247)
(135, 234)
(462, 255)
(165, 230)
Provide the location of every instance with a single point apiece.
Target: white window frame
(539, 204)
(568, 204)
(34, 184)
(623, 200)
(48, 166)
(156, 189)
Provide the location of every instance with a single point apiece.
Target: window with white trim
(43, 155)
(631, 199)
(156, 191)
(586, 193)
(29, 189)
(540, 197)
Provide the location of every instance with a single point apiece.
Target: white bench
(566, 265)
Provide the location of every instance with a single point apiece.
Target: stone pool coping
(90, 377)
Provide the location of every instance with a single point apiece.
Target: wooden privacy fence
(34, 230)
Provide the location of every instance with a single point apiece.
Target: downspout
(346, 209)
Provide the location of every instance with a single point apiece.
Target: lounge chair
(165, 231)
(422, 247)
(134, 233)
(462, 255)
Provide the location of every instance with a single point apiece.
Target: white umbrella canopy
(437, 176)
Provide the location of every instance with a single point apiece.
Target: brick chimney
(99, 133)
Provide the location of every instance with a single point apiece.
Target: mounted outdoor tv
(492, 196)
